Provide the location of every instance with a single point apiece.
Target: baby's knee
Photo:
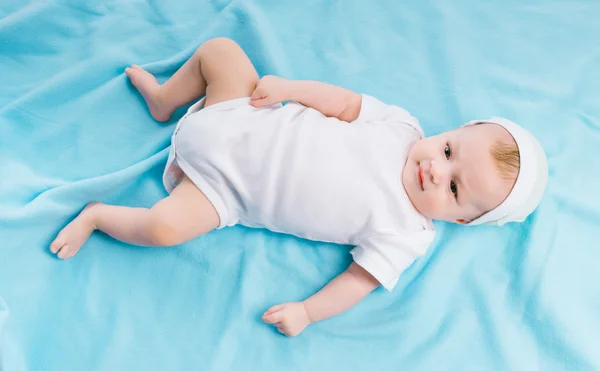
(219, 44)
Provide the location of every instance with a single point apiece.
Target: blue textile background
(73, 130)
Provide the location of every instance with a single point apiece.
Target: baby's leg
(219, 68)
(185, 214)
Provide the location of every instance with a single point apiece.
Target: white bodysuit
(291, 169)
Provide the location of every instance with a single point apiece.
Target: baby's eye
(447, 151)
(453, 188)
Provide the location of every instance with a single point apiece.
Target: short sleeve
(385, 257)
(372, 109)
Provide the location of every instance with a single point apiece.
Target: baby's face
(452, 176)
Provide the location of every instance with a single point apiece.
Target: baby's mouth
(420, 176)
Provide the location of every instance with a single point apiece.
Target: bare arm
(330, 100)
(341, 294)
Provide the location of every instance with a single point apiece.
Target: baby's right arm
(339, 295)
(330, 100)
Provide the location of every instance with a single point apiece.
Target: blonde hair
(506, 158)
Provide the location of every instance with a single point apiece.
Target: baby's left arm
(342, 293)
(330, 100)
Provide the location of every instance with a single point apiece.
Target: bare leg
(219, 68)
(178, 218)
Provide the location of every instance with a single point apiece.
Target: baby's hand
(290, 318)
(270, 90)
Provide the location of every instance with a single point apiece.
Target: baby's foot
(73, 236)
(148, 86)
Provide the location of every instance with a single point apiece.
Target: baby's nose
(437, 173)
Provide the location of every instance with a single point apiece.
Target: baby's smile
(420, 175)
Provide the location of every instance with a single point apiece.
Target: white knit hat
(531, 181)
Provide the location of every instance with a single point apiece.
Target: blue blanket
(73, 130)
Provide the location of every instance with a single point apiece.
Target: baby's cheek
(435, 207)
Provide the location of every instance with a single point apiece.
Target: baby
(331, 165)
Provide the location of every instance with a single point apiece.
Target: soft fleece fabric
(73, 129)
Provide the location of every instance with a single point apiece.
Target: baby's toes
(57, 243)
(65, 252)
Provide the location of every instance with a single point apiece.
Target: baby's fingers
(273, 309)
(258, 93)
(260, 102)
(273, 317)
